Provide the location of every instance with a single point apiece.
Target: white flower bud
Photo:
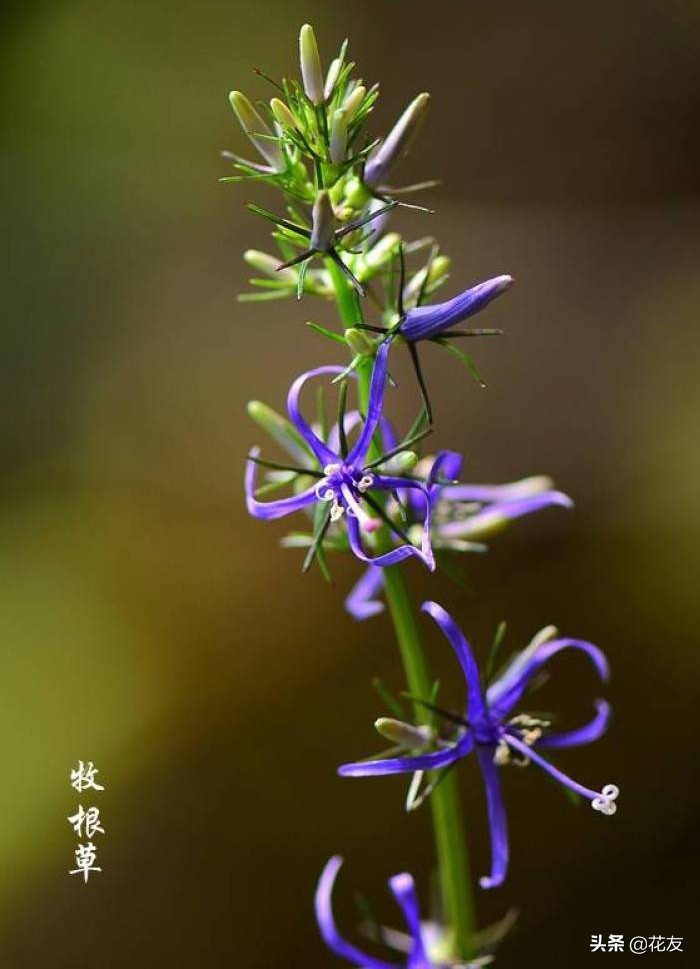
(323, 223)
(401, 463)
(253, 125)
(282, 114)
(332, 77)
(263, 262)
(310, 63)
(397, 142)
(404, 734)
(353, 101)
(339, 137)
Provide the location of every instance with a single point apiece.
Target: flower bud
(280, 430)
(401, 463)
(436, 273)
(356, 194)
(403, 734)
(383, 252)
(322, 223)
(332, 77)
(253, 125)
(439, 267)
(543, 636)
(397, 142)
(339, 136)
(310, 63)
(359, 343)
(282, 114)
(263, 262)
(353, 101)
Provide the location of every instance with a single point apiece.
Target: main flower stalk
(447, 812)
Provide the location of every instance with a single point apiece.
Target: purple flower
(498, 737)
(462, 515)
(345, 482)
(416, 943)
(428, 322)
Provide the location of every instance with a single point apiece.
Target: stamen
(354, 508)
(501, 755)
(337, 511)
(365, 483)
(605, 802)
(323, 492)
(331, 469)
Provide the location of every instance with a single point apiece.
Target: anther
(605, 802)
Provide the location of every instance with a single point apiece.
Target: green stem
(448, 829)
(450, 842)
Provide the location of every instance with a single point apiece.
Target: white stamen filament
(501, 755)
(354, 508)
(323, 492)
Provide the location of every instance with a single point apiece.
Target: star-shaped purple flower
(498, 737)
(462, 515)
(417, 941)
(345, 481)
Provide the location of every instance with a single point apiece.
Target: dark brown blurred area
(149, 625)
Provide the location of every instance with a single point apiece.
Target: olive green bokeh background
(148, 625)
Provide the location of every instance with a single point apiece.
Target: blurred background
(149, 626)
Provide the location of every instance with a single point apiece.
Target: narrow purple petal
(267, 510)
(404, 889)
(425, 322)
(586, 734)
(550, 769)
(374, 406)
(497, 819)
(475, 707)
(389, 483)
(500, 512)
(505, 693)
(447, 464)
(511, 491)
(385, 558)
(363, 601)
(322, 451)
(389, 439)
(352, 419)
(408, 764)
(327, 926)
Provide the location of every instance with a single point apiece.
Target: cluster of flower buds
(360, 487)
